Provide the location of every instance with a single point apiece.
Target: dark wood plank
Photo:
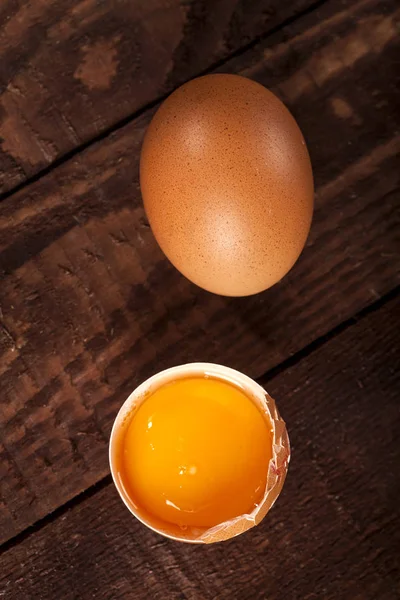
(332, 534)
(69, 70)
(90, 307)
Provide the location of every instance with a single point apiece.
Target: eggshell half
(277, 466)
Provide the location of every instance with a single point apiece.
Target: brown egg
(227, 184)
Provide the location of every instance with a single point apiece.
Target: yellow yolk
(196, 453)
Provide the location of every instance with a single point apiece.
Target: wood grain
(70, 70)
(90, 307)
(332, 533)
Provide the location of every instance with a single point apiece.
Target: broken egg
(199, 453)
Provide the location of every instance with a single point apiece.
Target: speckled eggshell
(227, 184)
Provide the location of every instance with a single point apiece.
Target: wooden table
(89, 307)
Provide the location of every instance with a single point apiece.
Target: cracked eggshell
(277, 468)
(227, 184)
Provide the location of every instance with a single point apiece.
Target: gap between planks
(150, 105)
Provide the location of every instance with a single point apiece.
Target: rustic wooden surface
(332, 534)
(62, 61)
(89, 307)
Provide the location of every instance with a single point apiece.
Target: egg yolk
(196, 453)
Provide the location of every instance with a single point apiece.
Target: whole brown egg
(227, 184)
